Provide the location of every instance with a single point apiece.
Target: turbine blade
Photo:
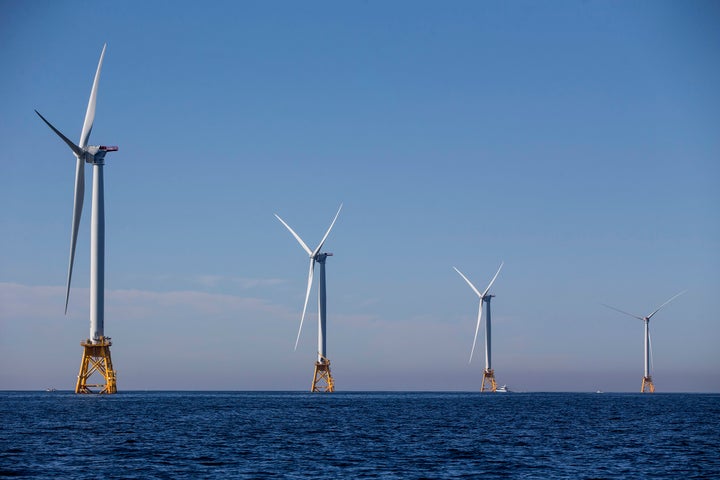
(661, 306)
(307, 297)
(493, 279)
(469, 283)
(90, 112)
(77, 213)
(322, 242)
(621, 311)
(76, 150)
(477, 329)
(297, 237)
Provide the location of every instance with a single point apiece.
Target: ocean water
(178, 435)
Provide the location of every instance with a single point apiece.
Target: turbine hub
(320, 257)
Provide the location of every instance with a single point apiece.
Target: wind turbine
(96, 354)
(647, 382)
(488, 373)
(322, 378)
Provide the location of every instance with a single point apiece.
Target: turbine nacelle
(95, 154)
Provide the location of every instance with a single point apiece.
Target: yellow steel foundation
(96, 359)
(322, 378)
(647, 385)
(489, 377)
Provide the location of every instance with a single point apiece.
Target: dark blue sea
(183, 435)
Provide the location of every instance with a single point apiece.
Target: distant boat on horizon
(503, 389)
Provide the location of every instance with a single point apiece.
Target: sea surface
(193, 435)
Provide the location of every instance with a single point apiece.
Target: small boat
(50, 389)
(503, 389)
(599, 391)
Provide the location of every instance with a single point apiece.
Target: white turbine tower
(322, 378)
(488, 373)
(647, 382)
(96, 354)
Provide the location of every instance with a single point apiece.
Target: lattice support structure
(488, 377)
(322, 378)
(96, 360)
(647, 385)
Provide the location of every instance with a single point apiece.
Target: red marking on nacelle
(108, 149)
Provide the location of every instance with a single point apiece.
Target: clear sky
(578, 142)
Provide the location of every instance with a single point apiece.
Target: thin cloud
(27, 301)
(210, 281)
(24, 301)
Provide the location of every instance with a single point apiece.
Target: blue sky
(576, 141)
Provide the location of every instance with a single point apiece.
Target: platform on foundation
(647, 385)
(489, 378)
(96, 360)
(322, 378)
